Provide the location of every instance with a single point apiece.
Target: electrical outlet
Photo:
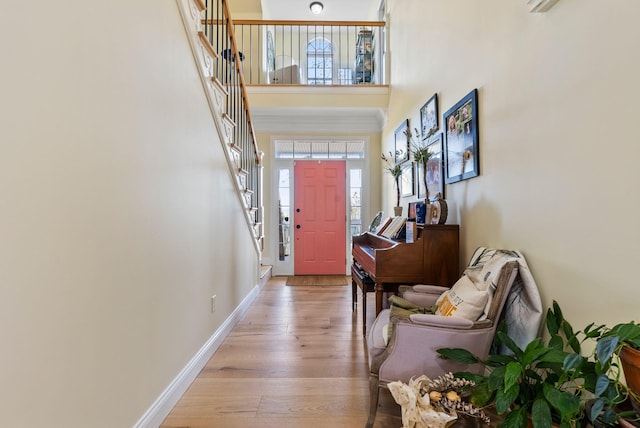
(213, 303)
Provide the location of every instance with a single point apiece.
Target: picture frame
(461, 145)
(401, 142)
(406, 180)
(435, 170)
(429, 118)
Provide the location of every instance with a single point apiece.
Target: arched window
(319, 62)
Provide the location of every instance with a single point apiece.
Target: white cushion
(463, 300)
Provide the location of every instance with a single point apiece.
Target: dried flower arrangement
(446, 394)
(436, 402)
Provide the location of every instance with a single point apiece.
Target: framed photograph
(406, 180)
(429, 117)
(401, 148)
(461, 152)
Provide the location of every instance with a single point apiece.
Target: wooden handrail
(200, 5)
(310, 23)
(295, 23)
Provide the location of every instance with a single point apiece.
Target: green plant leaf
(458, 354)
(533, 352)
(626, 331)
(609, 416)
(572, 340)
(517, 418)
(476, 378)
(512, 374)
(481, 395)
(572, 362)
(602, 384)
(553, 356)
(496, 378)
(606, 347)
(552, 320)
(556, 342)
(499, 360)
(635, 343)
(565, 402)
(505, 398)
(541, 414)
(532, 375)
(590, 380)
(591, 332)
(509, 343)
(596, 408)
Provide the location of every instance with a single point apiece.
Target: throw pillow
(463, 300)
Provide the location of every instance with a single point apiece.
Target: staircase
(210, 32)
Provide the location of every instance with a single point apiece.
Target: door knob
(297, 226)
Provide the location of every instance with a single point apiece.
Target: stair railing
(219, 31)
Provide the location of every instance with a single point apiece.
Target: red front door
(319, 218)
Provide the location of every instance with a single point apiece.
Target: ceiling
(334, 10)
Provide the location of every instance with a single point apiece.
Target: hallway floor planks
(296, 359)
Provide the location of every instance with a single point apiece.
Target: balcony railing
(310, 52)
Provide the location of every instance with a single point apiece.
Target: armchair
(411, 350)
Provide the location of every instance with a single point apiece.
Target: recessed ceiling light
(316, 7)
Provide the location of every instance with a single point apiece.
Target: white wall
(558, 100)
(118, 218)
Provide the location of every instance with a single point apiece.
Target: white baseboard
(159, 410)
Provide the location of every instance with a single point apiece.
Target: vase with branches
(421, 154)
(395, 170)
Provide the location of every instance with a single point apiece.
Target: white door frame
(285, 267)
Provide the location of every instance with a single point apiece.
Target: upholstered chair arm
(440, 321)
(423, 295)
(412, 349)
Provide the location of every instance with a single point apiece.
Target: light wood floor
(297, 359)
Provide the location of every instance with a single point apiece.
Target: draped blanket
(523, 309)
(417, 411)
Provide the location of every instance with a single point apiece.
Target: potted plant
(547, 382)
(395, 170)
(421, 155)
(623, 341)
(419, 147)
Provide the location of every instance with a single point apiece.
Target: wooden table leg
(354, 295)
(364, 310)
(379, 288)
